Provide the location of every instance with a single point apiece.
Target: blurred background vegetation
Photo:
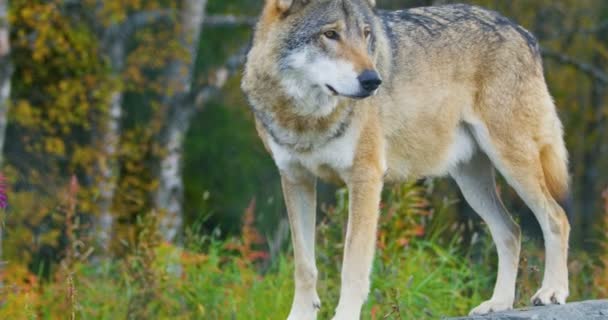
(139, 189)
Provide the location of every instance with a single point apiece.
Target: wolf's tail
(554, 159)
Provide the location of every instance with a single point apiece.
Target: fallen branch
(219, 78)
(229, 21)
(587, 68)
(603, 25)
(600, 27)
(142, 19)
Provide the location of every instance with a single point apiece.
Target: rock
(584, 310)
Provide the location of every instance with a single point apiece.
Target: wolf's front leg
(364, 192)
(300, 199)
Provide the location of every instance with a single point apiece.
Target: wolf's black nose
(370, 80)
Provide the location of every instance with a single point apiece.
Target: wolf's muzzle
(369, 80)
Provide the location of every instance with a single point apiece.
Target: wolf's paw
(346, 311)
(305, 311)
(550, 295)
(345, 317)
(491, 306)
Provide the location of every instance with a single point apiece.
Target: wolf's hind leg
(519, 156)
(477, 183)
(528, 180)
(300, 198)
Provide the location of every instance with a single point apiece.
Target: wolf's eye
(367, 32)
(331, 34)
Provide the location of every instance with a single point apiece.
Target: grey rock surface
(584, 310)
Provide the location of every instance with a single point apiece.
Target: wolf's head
(326, 50)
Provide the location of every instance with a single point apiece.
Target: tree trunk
(114, 41)
(6, 70)
(178, 110)
(109, 140)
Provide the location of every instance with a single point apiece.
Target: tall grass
(414, 277)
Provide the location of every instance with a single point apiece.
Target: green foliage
(426, 265)
(420, 281)
(214, 285)
(60, 87)
(63, 85)
(211, 278)
(239, 155)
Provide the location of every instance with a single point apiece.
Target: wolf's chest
(331, 162)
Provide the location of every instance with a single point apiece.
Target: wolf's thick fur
(463, 93)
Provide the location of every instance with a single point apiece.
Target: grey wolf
(348, 93)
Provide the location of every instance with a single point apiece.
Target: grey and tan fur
(462, 92)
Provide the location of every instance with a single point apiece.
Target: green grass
(420, 281)
(424, 282)
(416, 275)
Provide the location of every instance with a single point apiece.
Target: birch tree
(176, 111)
(109, 136)
(114, 39)
(5, 71)
(182, 104)
(5, 83)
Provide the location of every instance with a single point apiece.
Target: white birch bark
(114, 42)
(6, 70)
(109, 139)
(170, 193)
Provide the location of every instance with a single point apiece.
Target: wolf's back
(464, 26)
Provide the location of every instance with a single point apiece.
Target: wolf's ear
(372, 3)
(284, 5)
(289, 6)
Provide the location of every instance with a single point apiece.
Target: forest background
(137, 186)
